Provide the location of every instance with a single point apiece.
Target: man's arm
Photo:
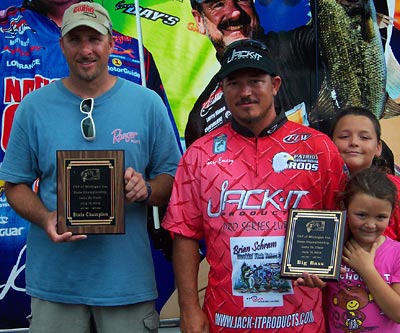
(186, 259)
(29, 206)
(161, 187)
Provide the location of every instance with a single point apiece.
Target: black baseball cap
(246, 53)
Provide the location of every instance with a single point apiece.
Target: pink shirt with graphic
(236, 191)
(351, 308)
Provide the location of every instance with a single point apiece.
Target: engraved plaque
(314, 243)
(90, 191)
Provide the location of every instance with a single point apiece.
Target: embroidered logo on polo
(219, 145)
(284, 161)
(120, 136)
(296, 137)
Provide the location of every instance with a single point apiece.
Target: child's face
(367, 217)
(357, 142)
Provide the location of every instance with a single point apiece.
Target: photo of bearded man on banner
(335, 60)
(330, 53)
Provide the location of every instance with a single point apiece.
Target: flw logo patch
(296, 137)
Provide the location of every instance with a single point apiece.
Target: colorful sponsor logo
(23, 52)
(219, 145)
(215, 96)
(85, 9)
(18, 26)
(119, 50)
(117, 62)
(147, 13)
(296, 137)
(123, 70)
(129, 137)
(284, 161)
(23, 66)
(19, 41)
(254, 200)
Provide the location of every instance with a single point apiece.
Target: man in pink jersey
(234, 187)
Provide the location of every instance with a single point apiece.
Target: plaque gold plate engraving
(313, 243)
(90, 191)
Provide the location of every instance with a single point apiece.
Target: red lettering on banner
(8, 116)
(14, 91)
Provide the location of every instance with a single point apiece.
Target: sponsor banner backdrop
(14, 303)
(185, 59)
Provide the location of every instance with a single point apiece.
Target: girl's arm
(386, 296)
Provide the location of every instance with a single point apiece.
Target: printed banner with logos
(186, 60)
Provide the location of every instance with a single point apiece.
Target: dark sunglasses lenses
(86, 105)
(88, 128)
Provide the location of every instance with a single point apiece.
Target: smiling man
(72, 277)
(229, 191)
(312, 60)
(226, 21)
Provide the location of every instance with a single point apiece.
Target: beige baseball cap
(87, 14)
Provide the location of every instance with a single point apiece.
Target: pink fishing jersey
(393, 229)
(236, 190)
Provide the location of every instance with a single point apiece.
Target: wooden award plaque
(90, 191)
(314, 243)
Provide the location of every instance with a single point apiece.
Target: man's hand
(51, 229)
(135, 186)
(193, 320)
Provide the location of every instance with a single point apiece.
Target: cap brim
(98, 27)
(233, 68)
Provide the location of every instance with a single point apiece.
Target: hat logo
(237, 55)
(85, 9)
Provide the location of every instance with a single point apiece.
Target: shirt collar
(278, 122)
